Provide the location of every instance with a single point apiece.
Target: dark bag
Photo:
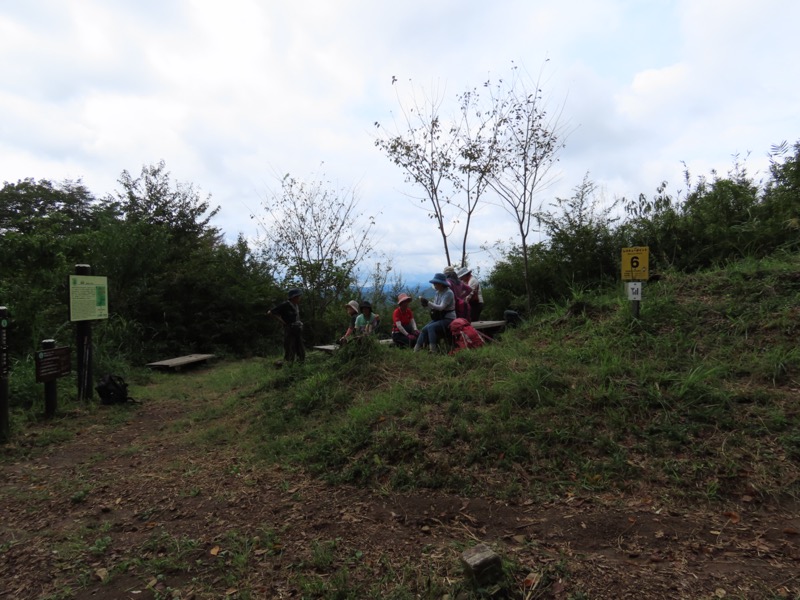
(437, 315)
(112, 389)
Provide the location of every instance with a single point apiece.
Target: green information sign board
(88, 298)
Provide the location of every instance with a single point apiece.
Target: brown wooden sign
(52, 363)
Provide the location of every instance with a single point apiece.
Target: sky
(233, 95)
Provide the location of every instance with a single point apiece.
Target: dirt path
(132, 511)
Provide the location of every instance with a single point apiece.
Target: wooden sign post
(51, 363)
(88, 301)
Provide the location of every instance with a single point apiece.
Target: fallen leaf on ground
(733, 516)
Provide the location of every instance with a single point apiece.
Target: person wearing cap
(443, 312)
(352, 312)
(475, 297)
(367, 322)
(288, 313)
(404, 327)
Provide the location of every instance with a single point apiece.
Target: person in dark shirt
(352, 309)
(288, 313)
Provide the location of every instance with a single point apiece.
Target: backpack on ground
(112, 389)
(465, 336)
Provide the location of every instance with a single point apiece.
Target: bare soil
(132, 511)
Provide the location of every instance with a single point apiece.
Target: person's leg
(476, 309)
(288, 344)
(400, 339)
(442, 330)
(423, 338)
(299, 348)
(437, 331)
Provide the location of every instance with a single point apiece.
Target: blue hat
(441, 279)
(294, 292)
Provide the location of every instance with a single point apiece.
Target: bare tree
(317, 238)
(525, 141)
(475, 159)
(447, 160)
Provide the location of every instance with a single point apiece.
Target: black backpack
(112, 389)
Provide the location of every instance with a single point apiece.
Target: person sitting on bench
(404, 327)
(443, 311)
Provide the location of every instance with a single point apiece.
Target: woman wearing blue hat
(443, 311)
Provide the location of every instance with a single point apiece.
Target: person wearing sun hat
(443, 312)
(367, 322)
(352, 312)
(404, 327)
(288, 313)
(475, 297)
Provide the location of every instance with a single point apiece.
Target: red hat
(402, 298)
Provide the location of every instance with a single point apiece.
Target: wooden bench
(329, 348)
(181, 361)
(490, 328)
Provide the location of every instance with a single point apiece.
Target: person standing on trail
(288, 313)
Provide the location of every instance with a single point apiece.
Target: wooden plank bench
(181, 361)
(490, 328)
(329, 348)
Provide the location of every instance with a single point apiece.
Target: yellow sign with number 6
(636, 263)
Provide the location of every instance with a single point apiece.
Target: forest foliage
(176, 286)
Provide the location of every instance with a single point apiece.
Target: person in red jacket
(404, 327)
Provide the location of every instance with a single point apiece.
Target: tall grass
(692, 400)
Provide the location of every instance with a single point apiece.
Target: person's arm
(399, 324)
(347, 334)
(412, 325)
(448, 302)
(276, 315)
(473, 290)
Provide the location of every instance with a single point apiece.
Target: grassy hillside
(599, 455)
(696, 399)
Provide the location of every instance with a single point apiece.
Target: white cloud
(233, 94)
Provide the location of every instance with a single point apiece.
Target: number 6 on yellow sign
(635, 263)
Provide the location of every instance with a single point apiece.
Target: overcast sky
(232, 95)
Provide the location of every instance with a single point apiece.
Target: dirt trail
(131, 511)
